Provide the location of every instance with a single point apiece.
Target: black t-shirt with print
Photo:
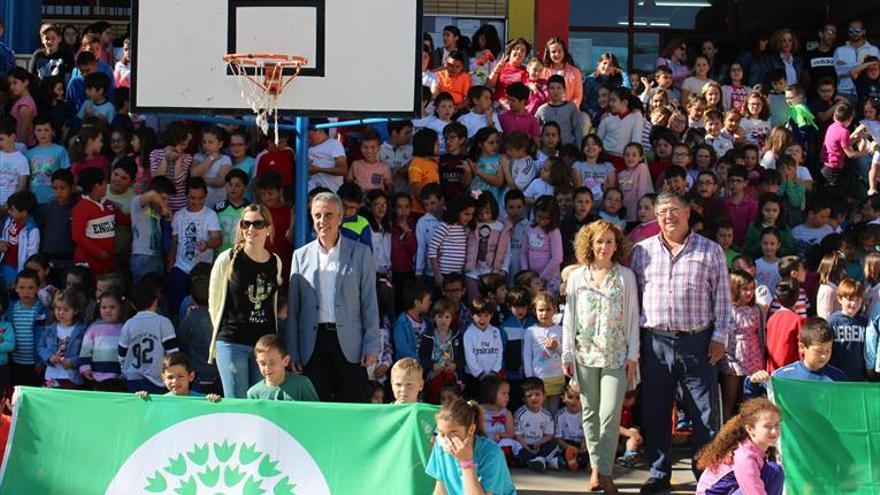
(451, 175)
(249, 312)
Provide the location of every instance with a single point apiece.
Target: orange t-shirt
(422, 171)
(456, 86)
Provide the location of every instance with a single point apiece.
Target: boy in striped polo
(26, 315)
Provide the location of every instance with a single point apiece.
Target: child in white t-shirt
(570, 430)
(14, 168)
(534, 429)
(483, 346)
(542, 350)
(327, 163)
(212, 165)
(195, 232)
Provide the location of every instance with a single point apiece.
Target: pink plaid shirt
(685, 293)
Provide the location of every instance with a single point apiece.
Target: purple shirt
(526, 123)
(836, 139)
(687, 292)
(741, 215)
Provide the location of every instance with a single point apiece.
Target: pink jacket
(542, 251)
(746, 464)
(487, 246)
(574, 83)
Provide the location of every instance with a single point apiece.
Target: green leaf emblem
(223, 451)
(232, 476)
(253, 487)
(177, 466)
(199, 455)
(283, 487)
(156, 484)
(248, 454)
(267, 467)
(210, 476)
(188, 487)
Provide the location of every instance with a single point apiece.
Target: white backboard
(364, 55)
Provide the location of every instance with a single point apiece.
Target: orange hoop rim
(256, 59)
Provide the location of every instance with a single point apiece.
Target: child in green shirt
(278, 383)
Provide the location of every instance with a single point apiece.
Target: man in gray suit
(333, 320)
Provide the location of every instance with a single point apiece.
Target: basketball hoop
(262, 78)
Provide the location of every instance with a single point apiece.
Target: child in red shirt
(94, 224)
(271, 193)
(279, 158)
(784, 327)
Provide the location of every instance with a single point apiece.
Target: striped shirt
(23, 320)
(449, 246)
(178, 175)
(99, 350)
(683, 293)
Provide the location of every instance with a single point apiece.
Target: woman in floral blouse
(600, 340)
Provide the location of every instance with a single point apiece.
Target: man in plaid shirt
(686, 314)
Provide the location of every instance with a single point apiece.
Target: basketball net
(262, 78)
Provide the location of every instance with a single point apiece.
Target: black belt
(679, 334)
(327, 326)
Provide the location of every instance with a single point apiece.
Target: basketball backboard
(364, 55)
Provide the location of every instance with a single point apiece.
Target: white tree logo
(228, 453)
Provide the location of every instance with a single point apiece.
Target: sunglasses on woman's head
(257, 224)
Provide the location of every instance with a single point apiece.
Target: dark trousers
(25, 374)
(111, 385)
(178, 289)
(336, 379)
(548, 451)
(665, 362)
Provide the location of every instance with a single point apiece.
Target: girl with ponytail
(243, 300)
(740, 458)
(463, 460)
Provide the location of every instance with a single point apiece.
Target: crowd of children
(470, 212)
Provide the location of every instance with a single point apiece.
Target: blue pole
(22, 21)
(301, 194)
(217, 120)
(250, 123)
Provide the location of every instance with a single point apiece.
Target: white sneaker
(553, 463)
(538, 464)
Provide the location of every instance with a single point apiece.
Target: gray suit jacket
(357, 309)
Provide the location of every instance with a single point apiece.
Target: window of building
(586, 47)
(600, 13)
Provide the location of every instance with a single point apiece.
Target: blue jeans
(142, 264)
(667, 362)
(238, 368)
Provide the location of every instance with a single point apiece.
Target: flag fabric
(69, 442)
(830, 436)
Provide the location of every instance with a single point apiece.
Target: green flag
(830, 436)
(66, 442)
